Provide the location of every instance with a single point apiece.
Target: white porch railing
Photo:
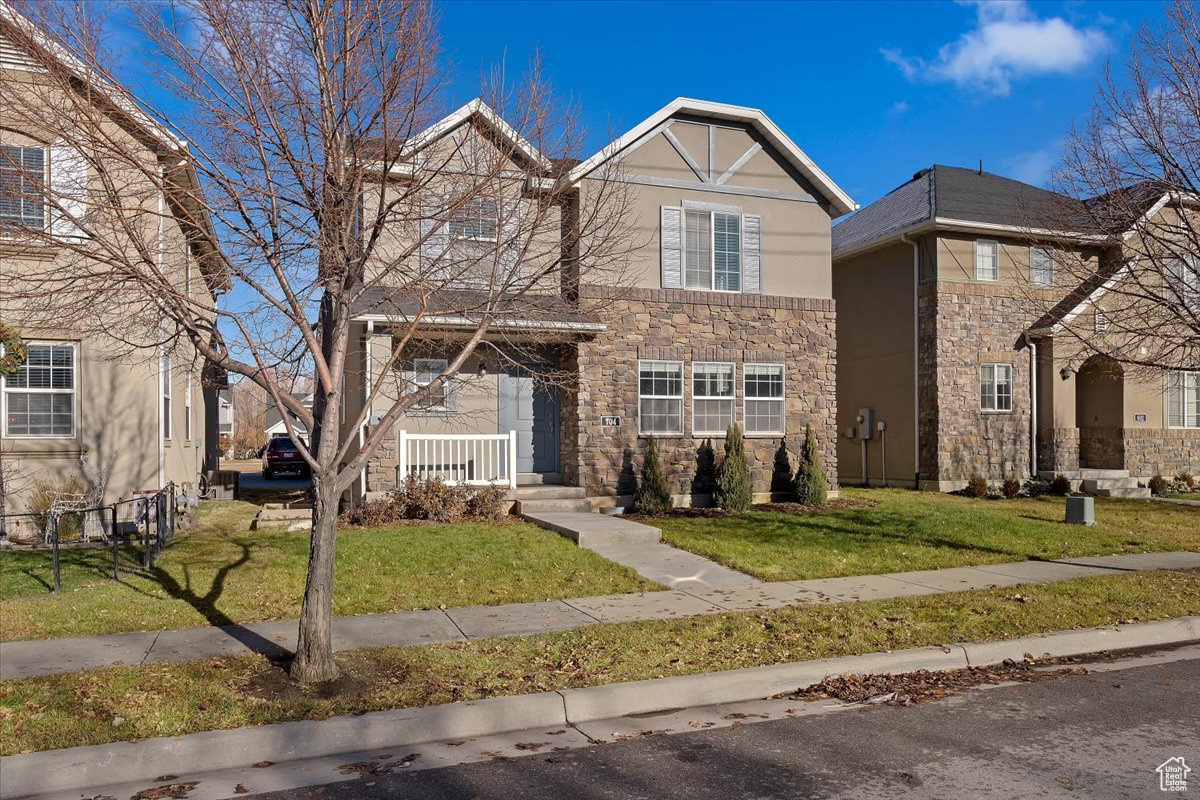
(474, 459)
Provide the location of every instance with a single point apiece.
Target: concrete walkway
(50, 656)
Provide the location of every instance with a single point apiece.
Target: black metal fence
(146, 522)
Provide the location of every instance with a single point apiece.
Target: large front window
(712, 398)
(22, 174)
(1183, 399)
(995, 387)
(39, 400)
(660, 397)
(764, 398)
(713, 250)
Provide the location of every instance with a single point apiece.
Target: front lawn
(220, 572)
(170, 699)
(892, 530)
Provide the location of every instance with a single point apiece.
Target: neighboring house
(947, 362)
(226, 419)
(275, 425)
(725, 314)
(80, 408)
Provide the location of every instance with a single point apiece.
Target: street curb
(79, 768)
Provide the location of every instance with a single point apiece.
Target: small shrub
(431, 500)
(811, 485)
(1158, 486)
(373, 513)
(706, 469)
(734, 491)
(486, 503)
(782, 481)
(44, 493)
(1011, 487)
(977, 486)
(1188, 480)
(1037, 486)
(1060, 486)
(652, 495)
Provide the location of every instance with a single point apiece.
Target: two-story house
(83, 406)
(723, 313)
(951, 296)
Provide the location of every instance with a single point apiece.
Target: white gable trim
(463, 114)
(838, 199)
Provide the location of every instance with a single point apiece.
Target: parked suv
(280, 455)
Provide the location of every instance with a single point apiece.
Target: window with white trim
(39, 400)
(1041, 266)
(712, 250)
(1183, 281)
(425, 372)
(22, 176)
(660, 397)
(1183, 399)
(712, 397)
(164, 369)
(764, 398)
(476, 220)
(987, 260)
(187, 410)
(995, 387)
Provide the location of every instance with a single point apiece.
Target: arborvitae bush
(782, 481)
(1158, 486)
(977, 486)
(734, 491)
(706, 469)
(811, 484)
(652, 495)
(1011, 487)
(1060, 486)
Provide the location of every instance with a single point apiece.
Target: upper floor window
(22, 175)
(165, 377)
(1183, 281)
(39, 400)
(1041, 266)
(477, 220)
(1183, 399)
(987, 260)
(713, 250)
(995, 387)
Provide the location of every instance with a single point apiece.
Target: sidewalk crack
(457, 627)
(150, 649)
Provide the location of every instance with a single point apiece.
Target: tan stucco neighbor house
(724, 313)
(951, 356)
(80, 407)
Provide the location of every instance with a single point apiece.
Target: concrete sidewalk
(50, 656)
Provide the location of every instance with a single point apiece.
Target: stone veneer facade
(964, 325)
(691, 326)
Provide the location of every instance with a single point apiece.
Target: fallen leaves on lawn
(924, 685)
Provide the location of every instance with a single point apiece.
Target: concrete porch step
(567, 504)
(1093, 484)
(538, 478)
(547, 492)
(1134, 492)
(1100, 474)
(594, 530)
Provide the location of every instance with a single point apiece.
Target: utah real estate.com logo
(1172, 775)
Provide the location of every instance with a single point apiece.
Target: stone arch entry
(1100, 413)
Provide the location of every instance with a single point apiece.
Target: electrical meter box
(866, 423)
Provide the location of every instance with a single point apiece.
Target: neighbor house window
(712, 398)
(713, 250)
(995, 387)
(22, 174)
(187, 410)
(987, 260)
(425, 372)
(1183, 280)
(660, 397)
(39, 400)
(1183, 399)
(763, 386)
(1041, 266)
(476, 220)
(165, 377)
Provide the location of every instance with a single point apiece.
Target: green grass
(891, 530)
(1183, 496)
(220, 572)
(176, 698)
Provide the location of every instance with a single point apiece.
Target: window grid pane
(22, 170)
(660, 403)
(727, 252)
(698, 249)
(1183, 400)
(40, 398)
(1041, 266)
(986, 256)
(764, 404)
(712, 397)
(425, 371)
(477, 219)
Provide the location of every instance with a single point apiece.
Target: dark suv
(280, 455)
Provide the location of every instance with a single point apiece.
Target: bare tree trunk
(314, 647)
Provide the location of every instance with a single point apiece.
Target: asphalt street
(1094, 736)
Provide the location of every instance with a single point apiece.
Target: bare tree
(304, 176)
(1133, 171)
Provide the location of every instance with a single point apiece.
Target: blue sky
(872, 91)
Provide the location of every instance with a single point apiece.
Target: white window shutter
(671, 235)
(435, 236)
(751, 253)
(68, 186)
(509, 240)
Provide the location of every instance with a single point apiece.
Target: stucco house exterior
(723, 313)
(952, 356)
(82, 407)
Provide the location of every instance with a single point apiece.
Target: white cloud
(1009, 41)
(1033, 166)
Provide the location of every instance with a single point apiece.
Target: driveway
(254, 481)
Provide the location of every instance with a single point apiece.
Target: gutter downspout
(368, 334)
(1033, 409)
(916, 361)
(162, 387)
